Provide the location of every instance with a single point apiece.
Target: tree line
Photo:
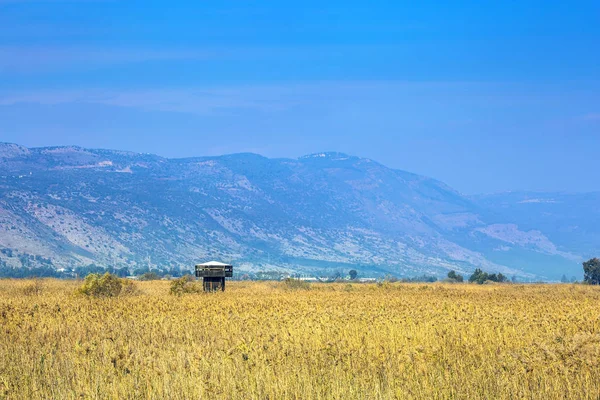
(591, 274)
(478, 276)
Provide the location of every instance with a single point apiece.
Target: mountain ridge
(319, 212)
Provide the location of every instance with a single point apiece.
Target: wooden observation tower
(214, 274)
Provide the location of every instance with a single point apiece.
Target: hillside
(69, 206)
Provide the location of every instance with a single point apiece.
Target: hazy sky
(485, 96)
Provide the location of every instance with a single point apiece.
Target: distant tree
(513, 279)
(120, 272)
(140, 271)
(591, 271)
(268, 275)
(149, 276)
(455, 277)
(573, 279)
(478, 276)
(89, 269)
(425, 278)
(353, 274)
(564, 279)
(336, 275)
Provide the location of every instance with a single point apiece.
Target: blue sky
(485, 96)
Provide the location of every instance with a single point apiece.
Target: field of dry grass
(263, 341)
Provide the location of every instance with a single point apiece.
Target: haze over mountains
(69, 206)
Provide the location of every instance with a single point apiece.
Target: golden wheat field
(334, 341)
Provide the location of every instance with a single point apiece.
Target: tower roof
(214, 264)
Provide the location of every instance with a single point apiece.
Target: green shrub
(35, 288)
(184, 285)
(291, 283)
(149, 276)
(128, 288)
(107, 285)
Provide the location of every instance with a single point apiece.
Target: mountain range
(69, 206)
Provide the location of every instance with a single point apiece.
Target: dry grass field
(334, 341)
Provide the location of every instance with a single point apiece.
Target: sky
(485, 96)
